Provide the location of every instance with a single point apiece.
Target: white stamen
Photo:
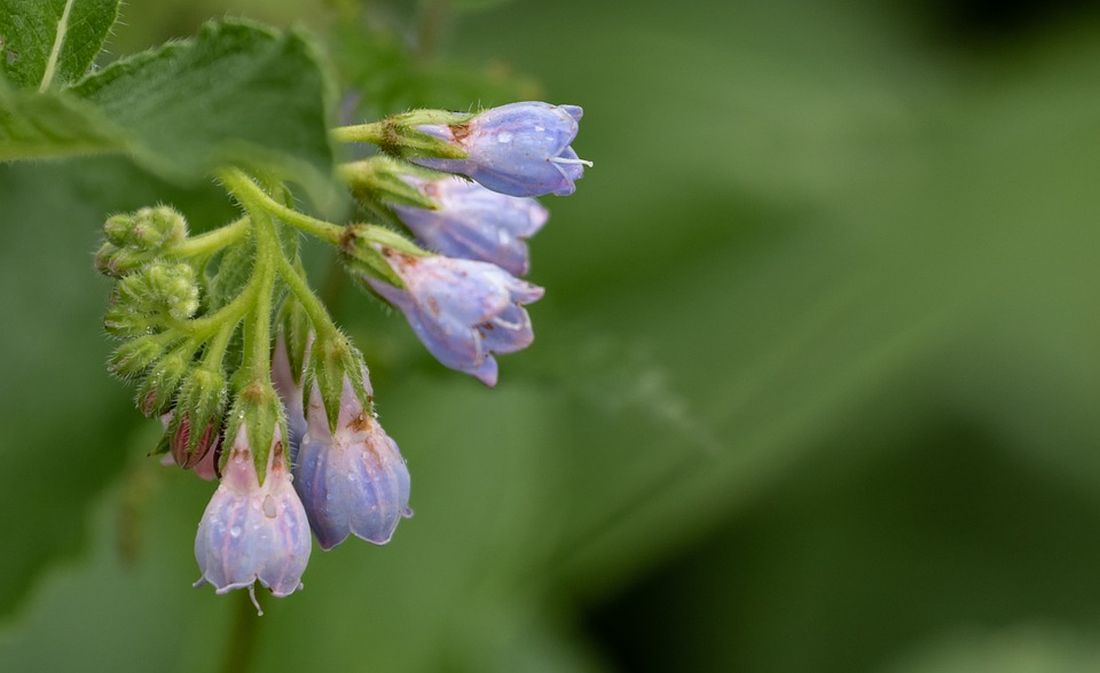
(582, 162)
(252, 597)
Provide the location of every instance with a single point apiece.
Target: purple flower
(463, 311)
(353, 480)
(521, 149)
(290, 393)
(473, 222)
(251, 532)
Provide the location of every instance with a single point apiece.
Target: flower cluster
(256, 385)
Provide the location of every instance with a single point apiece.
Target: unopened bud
(148, 229)
(196, 424)
(135, 356)
(157, 392)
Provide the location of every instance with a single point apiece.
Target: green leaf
(236, 94)
(45, 43)
(36, 126)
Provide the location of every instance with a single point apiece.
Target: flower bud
(135, 356)
(253, 531)
(200, 405)
(472, 222)
(157, 391)
(463, 311)
(148, 229)
(520, 149)
(352, 480)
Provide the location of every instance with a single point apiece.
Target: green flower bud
(148, 229)
(135, 356)
(160, 289)
(116, 262)
(157, 391)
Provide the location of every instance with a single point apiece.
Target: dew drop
(235, 531)
(504, 137)
(269, 507)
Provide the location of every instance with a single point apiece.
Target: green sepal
(379, 180)
(362, 249)
(258, 408)
(332, 359)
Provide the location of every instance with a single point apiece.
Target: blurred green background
(815, 387)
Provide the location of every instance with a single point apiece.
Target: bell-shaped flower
(252, 532)
(462, 310)
(472, 222)
(521, 149)
(352, 480)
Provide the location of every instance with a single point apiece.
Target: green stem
(255, 198)
(215, 351)
(233, 311)
(213, 241)
(268, 255)
(316, 311)
(373, 133)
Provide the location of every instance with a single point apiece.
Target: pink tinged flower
(521, 149)
(205, 466)
(463, 311)
(473, 222)
(250, 532)
(352, 480)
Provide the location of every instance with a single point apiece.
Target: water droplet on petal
(269, 507)
(235, 531)
(504, 137)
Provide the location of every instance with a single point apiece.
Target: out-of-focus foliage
(815, 383)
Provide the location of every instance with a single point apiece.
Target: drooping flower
(290, 392)
(250, 532)
(353, 480)
(463, 311)
(520, 149)
(472, 222)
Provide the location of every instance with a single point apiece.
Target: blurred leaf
(49, 125)
(1023, 649)
(266, 89)
(66, 421)
(71, 32)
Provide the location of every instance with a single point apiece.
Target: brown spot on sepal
(460, 131)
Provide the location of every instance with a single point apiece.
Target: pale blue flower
(473, 222)
(520, 149)
(352, 481)
(464, 311)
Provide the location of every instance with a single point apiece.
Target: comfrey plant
(226, 342)
(259, 388)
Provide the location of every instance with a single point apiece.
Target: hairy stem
(212, 241)
(255, 198)
(374, 133)
(318, 315)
